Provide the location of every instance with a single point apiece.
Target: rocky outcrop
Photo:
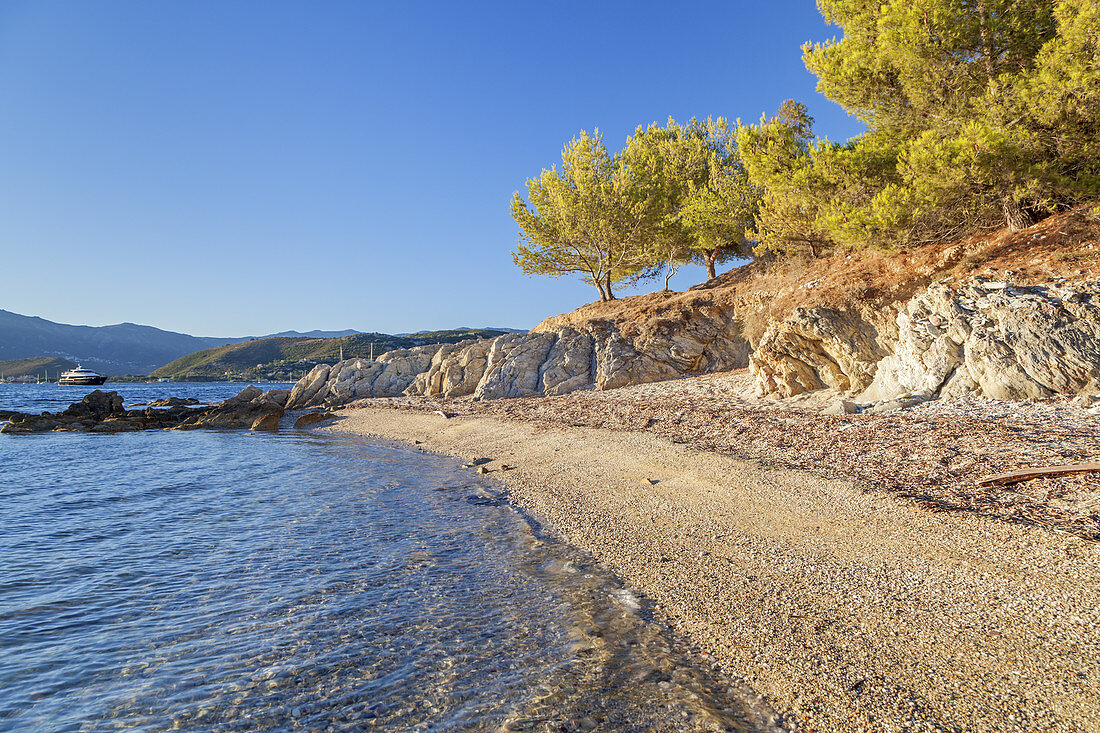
(455, 370)
(515, 365)
(818, 348)
(563, 358)
(569, 364)
(100, 412)
(103, 412)
(994, 340)
(389, 376)
(309, 388)
(979, 337)
(951, 338)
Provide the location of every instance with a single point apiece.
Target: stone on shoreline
(171, 402)
(842, 407)
(310, 418)
(269, 422)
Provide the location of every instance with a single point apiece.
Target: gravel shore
(846, 608)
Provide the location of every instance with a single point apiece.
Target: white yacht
(80, 377)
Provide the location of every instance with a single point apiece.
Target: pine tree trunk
(607, 286)
(603, 294)
(709, 258)
(987, 47)
(1016, 216)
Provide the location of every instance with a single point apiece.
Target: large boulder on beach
(995, 340)
(818, 348)
(399, 368)
(568, 365)
(310, 418)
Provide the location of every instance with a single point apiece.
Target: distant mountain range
(125, 348)
(286, 358)
(462, 328)
(313, 334)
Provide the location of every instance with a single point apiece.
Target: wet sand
(846, 608)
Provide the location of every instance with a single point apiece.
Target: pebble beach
(844, 603)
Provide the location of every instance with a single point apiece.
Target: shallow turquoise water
(211, 580)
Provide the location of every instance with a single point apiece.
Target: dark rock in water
(173, 402)
(102, 412)
(121, 424)
(96, 405)
(270, 421)
(310, 418)
(240, 410)
(84, 415)
(245, 396)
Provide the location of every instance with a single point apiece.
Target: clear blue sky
(236, 168)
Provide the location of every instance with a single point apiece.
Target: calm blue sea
(35, 398)
(227, 581)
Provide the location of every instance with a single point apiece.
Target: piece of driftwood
(1024, 474)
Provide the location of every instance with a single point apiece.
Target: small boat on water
(80, 377)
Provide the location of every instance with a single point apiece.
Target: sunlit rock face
(978, 337)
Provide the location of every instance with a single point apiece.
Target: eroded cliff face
(977, 338)
(819, 348)
(875, 327)
(555, 358)
(994, 340)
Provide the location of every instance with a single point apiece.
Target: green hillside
(35, 366)
(288, 358)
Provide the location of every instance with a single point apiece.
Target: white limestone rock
(568, 365)
(817, 348)
(306, 389)
(455, 370)
(514, 364)
(1008, 343)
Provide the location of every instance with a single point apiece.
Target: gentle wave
(214, 580)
